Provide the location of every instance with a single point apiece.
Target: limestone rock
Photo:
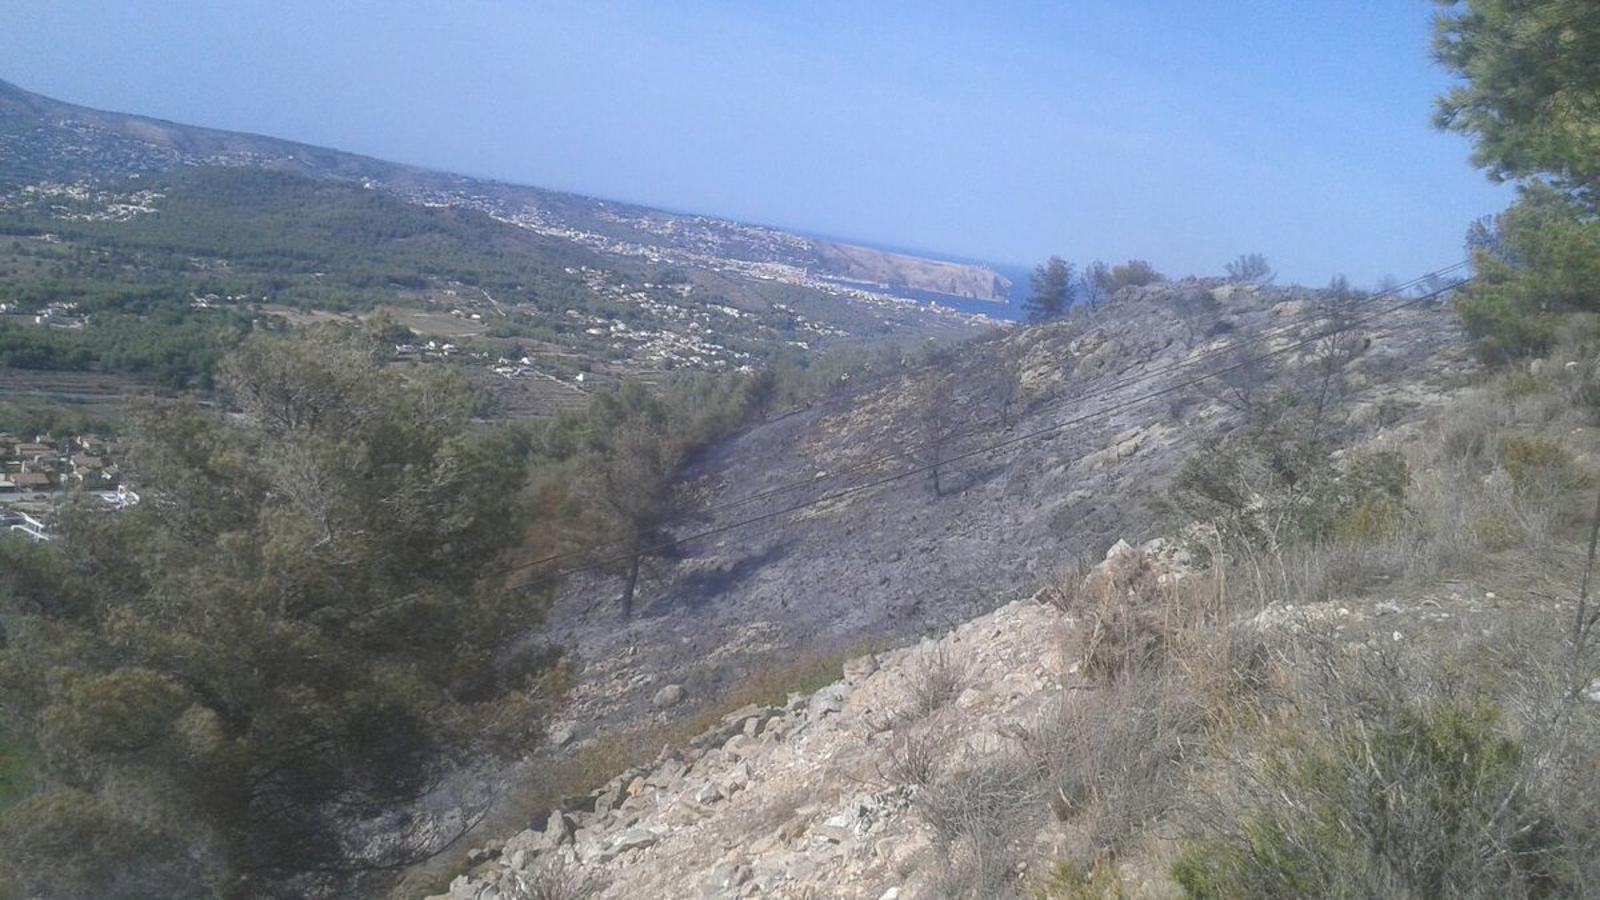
(828, 700)
(635, 839)
(859, 669)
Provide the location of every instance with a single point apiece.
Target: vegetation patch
(15, 769)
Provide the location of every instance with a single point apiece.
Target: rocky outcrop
(897, 270)
(778, 801)
(801, 800)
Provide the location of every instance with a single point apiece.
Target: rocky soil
(811, 799)
(775, 801)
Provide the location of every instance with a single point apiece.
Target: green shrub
(1375, 517)
(1546, 270)
(1068, 881)
(1535, 461)
(14, 769)
(1277, 486)
(1394, 797)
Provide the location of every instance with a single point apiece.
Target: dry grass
(1110, 759)
(914, 756)
(937, 678)
(980, 816)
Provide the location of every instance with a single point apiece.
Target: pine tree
(1052, 290)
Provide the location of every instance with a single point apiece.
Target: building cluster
(36, 473)
(53, 315)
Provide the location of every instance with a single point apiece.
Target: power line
(1013, 441)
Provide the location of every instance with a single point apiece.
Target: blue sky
(1178, 131)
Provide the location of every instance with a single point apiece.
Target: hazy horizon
(1090, 130)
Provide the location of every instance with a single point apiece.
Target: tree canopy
(1053, 286)
(1530, 96)
(1530, 100)
(299, 628)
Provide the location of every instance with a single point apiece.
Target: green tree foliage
(606, 475)
(298, 629)
(25, 417)
(625, 482)
(1530, 95)
(1529, 99)
(1053, 288)
(166, 342)
(1544, 264)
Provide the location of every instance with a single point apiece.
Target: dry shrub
(980, 815)
(913, 756)
(1066, 592)
(937, 678)
(1109, 759)
(1462, 516)
(1123, 636)
(1137, 618)
(1467, 434)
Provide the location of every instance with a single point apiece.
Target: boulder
(671, 695)
(558, 830)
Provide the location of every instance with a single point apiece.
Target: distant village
(37, 473)
(53, 315)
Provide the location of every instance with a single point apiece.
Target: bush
(977, 819)
(1386, 787)
(1534, 462)
(1250, 267)
(1278, 486)
(913, 757)
(1067, 881)
(1547, 271)
(937, 678)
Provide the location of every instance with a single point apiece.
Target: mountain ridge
(52, 140)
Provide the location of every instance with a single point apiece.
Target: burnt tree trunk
(627, 592)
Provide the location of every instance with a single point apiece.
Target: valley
(374, 531)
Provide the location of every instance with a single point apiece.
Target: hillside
(1112, 407)
(902, 560)
(44, 140)
(1092, 733)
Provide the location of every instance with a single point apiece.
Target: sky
(1176, 131)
